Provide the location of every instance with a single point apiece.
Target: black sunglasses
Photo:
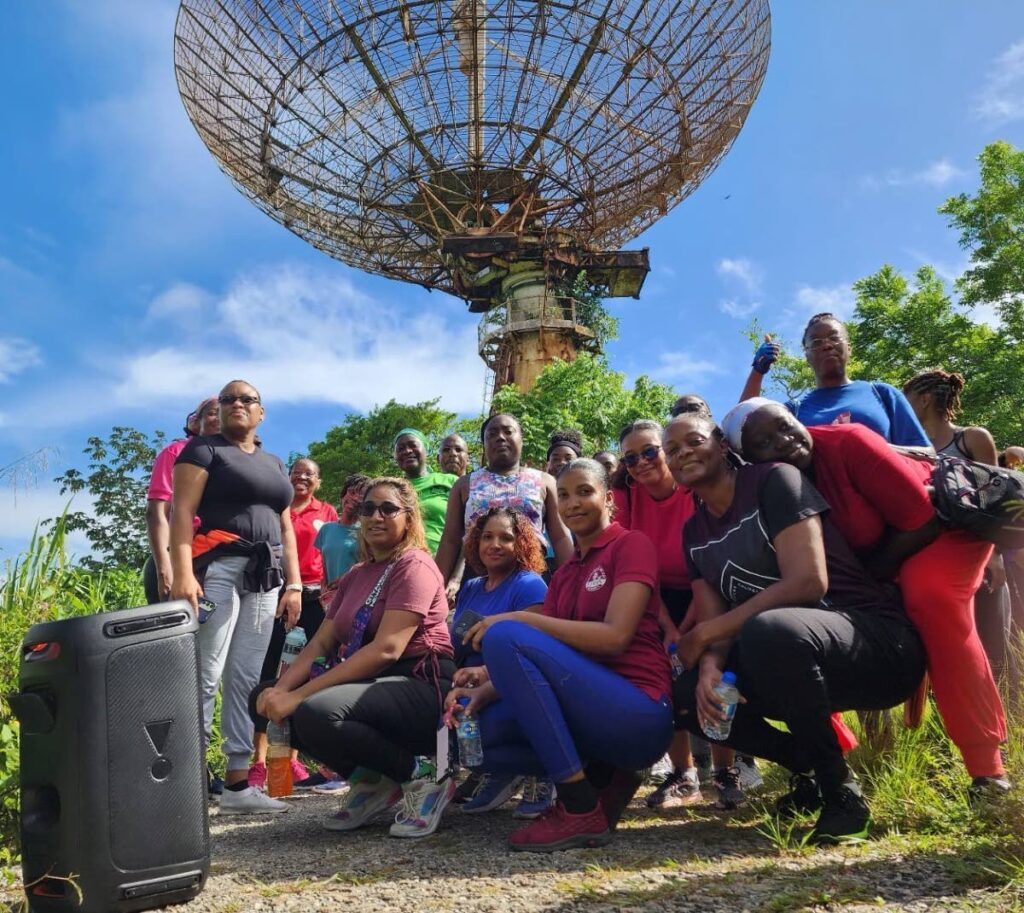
(649, 453)
(386, 509)
(245, 399)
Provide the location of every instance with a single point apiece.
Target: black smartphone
(467, 619)
(206, 608)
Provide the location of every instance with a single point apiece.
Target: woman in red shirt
(595, 643)
(879, 503)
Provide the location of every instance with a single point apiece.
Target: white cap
(736, 418)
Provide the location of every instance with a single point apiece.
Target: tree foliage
(363, 443)
(117, 481)
(584, 394)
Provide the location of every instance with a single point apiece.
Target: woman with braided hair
(837, 400)
(935, 398)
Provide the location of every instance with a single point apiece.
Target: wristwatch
(293, 588)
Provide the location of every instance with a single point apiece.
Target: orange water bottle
(279, 759)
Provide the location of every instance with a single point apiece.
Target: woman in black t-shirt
(782, 601)
(238, 559)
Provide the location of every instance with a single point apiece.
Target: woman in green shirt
(432, 488)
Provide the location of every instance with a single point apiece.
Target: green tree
(584, 394)
(991, 227)
(117, 481)
(363, 443)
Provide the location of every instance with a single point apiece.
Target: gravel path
(697, 860)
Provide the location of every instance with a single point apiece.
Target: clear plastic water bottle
(294, 641)
(471, 749)
(675, 662)
(279, 759)
(728, 698)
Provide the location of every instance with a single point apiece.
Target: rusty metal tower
(494, 149)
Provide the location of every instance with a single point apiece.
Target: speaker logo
(157, 732)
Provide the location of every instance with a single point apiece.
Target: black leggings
(798, 666)
(381, 724)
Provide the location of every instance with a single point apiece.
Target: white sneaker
(750, 776)
(366, 797)
(249, 801)
(423, 803)
(662, 768)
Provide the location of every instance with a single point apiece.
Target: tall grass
(42, 584)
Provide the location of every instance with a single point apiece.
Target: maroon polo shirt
(580, 591)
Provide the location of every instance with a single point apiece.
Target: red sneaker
(258, 775)
(616, 796)
(556, 829)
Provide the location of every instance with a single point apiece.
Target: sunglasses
(649, 453)
(245, 399)
(386, 509)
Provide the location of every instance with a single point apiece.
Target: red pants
(938, 585)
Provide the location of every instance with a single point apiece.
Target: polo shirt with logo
(307, 524)
(581, 589)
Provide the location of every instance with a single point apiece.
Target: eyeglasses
(649, 454)
(833, 339)
(245, 399)
(386, 509)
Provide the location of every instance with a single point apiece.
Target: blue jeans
(557, 706)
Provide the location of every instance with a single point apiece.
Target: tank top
(522, 491)
(957, 447)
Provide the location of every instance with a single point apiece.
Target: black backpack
(987, 501)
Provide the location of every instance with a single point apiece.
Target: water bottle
(728, 699)
(294, 641)
(675, 662)
(279, 759)
(471, 749)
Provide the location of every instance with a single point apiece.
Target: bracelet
(293, 588)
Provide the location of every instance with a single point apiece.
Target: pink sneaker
(258, 775)
(299, 772)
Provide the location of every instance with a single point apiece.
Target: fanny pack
(986, 501)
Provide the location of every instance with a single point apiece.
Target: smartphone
(466, 620)
(206, 608)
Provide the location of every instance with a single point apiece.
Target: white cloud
(301, 335)
(1001, 99)
(181, 300)
(936, 174)
(17, 355)
(836, 299)
(741, 271)
(682, 367)
(23, 509)
(734, 308)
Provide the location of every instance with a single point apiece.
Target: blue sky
(134, 279)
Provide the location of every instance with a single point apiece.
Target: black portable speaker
(113, 778)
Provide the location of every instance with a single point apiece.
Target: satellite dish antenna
(498, 150)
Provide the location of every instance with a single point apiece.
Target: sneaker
(538, 796)
(662, 768)
(299, 772)
(464, 791)
(331, 786)
(557, 829)
(314, 780)
(491, 792)
(423, 803)
(726, 781)
(844, 816)
(258, 775)
(250, 801)
(616, 796)
(803, 798)
(986, 790)
(679, 788)
(368, 794)
(214, 784)
(750, 776)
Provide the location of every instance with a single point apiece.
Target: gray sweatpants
(232, 644)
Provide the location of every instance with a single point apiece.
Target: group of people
(794, 545)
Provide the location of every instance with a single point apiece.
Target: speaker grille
(156, 782)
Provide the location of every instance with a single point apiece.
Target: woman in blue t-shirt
(837, 400)
(503, 547)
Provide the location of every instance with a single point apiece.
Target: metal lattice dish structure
(479, 147)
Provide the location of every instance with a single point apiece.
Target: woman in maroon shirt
(879, 503)
(595, 643)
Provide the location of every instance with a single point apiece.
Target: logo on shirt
(596, 580)
(844, 418)
(317, 524)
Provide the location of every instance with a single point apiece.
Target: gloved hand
(766, 355)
